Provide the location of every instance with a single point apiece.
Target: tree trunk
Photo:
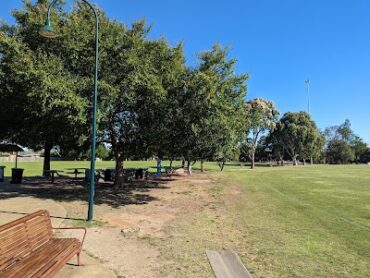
(304, 162)
(183, 163)
(311, 160)
(119, 179)
(295, 161)
(47, 158)
(281, 161)
(202, 166)
(253, 160)
(171, 163)
(221, 165)
(190, 172)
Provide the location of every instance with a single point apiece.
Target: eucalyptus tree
(134, 103)
(313, 146)
(338, 152)
(275, 147)
(297, 134)
(343, 145)
(207, 109)
(222, 123)
(360, 148)
(261, 117)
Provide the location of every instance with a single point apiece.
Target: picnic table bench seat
(170, 170)
(28, 248)
(53, 172)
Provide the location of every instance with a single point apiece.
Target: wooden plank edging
(227, 264)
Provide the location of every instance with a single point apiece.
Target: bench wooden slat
(53, 267)
(44, 258)
(15, 256)
(20, 237)
(28, 248)
(23, 219)
(6, 243)
(5, 233)
(15, 246)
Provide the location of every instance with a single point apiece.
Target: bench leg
(78, 259)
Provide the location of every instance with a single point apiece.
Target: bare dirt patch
(123, 239)
(11, 209)
(125, 242)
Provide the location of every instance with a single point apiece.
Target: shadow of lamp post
(49, 32)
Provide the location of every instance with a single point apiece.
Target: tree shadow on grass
(68, 190)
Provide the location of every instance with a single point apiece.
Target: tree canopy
(343, 145)
(151, 103)
(261, 117)
(298, 135)
(43, 108)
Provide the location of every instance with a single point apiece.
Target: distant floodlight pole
(307, 81)
(49, 32)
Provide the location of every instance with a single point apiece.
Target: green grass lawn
(309, 221)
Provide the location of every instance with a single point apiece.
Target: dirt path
(11, 209)
(124, 242)
(128, 237)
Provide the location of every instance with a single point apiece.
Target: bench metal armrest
(76, 228)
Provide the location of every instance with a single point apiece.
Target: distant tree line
(295, 137)
(151, 103)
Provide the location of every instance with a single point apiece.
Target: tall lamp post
(49, 32)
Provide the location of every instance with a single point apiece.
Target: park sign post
(49, 32)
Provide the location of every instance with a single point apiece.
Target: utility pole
(307, 81)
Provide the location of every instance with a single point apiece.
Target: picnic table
(77, 171)
(53, 172)
(105, 174)
(108, 174)
(171, 170)
(135, 173)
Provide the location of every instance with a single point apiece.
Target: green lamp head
(48, 31)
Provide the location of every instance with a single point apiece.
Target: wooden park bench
(28, 248)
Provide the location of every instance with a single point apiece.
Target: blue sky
(279, 43)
